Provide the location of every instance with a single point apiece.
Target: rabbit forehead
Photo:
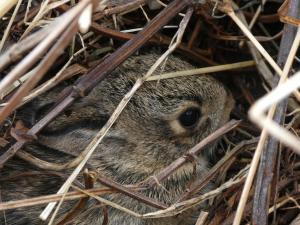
(157, 105)
(193, 87)
(168, 95)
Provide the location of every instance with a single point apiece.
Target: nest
(249, 45)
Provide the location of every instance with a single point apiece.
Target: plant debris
(250, 46)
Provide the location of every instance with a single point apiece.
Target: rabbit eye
(190, 117)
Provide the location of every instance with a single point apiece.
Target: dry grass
(88, 32)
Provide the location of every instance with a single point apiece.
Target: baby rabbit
(161, 123)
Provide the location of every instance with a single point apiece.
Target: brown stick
(266, 168)
(49, 198)
(39, 71)
(200, 184)
(166, 172)
(136, 195)
(194, 54)
(89, 184)
(195, 34)
(106, 67)
(122, 8)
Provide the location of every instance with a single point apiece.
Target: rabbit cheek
(177, 129)
(203, 129)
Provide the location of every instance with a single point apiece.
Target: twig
(157, 39)
(254, 18)
(260, 145)
(5, 6)
(16, 51)
(45, 7)
(195, 33)
(39, 71)
(204, 70)
(49, 198)
(256, 111)
(185, 205)
(64, 73)
(9, 25)
(167, 171)
(202, 217)
(136, 195)
(228, 9)
(89, 183)
(60, 25)
(232, 14)
(255, 42)
(262, 189)
(296, 221)
(121, 8)
(198, 185)
(261, 65)
(279, 93)
(109, 203)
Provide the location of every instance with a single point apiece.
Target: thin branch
(5, 6)
(261, 143)
(200, 184)
(9, 25)
(39, 71)
(167, 171)
(205, 70)
(60, 25)
(267, 163)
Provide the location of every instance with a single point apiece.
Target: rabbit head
(161, 122)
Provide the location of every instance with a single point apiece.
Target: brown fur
(146, 138)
